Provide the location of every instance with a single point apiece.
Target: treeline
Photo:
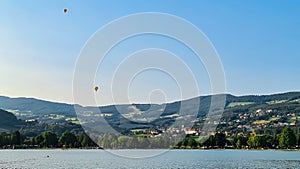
(263, 98)
(45, 140)
(287, 139)
(111, 141)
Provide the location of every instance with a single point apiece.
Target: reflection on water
(170, 159)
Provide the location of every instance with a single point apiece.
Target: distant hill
(26, 108)
(30, 108)
(263, 98)
(9, 122)
(240, 112)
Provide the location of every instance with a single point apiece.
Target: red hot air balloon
(65, 10)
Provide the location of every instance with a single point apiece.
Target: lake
(167, 159)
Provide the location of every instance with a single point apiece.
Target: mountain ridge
(208, 95)
(241, 113)
(32, 108)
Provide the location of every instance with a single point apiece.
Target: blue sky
(257, 41)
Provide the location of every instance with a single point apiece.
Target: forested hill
(30, 108)
(263, 98)
(9, 122)
(242, 114)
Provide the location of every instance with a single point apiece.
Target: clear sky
(258, 43)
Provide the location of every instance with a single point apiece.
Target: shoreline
(291, 150)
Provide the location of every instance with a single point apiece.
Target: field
(260, 122)
(295, 118)
(277, 101)
(198, 138)
(233, 104)
(274, 118)
(266, 121)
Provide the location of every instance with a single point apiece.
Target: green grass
(137, 130)
(198, 138)
(58, 117)
(73, 120)
(260, 122)
(295, 118)
(171, 115)
(295, 100)
(142, 135)
(274, 118)
(266, 121)
(12, 111)
(276, 101)
(233, 104)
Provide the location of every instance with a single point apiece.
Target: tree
(299, 140)
(179, 144)
(108, 141)
(276, 140)
(123, 141)
(241, 141)
(155, 142)
(86, 141)
(2, 139)
(15, 138)
(143, 142)
(46, 139)
(269, 141)
(257, 141)
(251, 142)
(210, 141)
(220, 139)
(50, 139)
(185, 142)
(287, 138)
(68, 139)
(134, 142)
(239, 144)
(38, 140)
(192, 143)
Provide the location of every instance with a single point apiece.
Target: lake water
(169, 159)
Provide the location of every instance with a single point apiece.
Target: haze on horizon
(257, 42)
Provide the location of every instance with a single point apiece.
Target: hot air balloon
(96, 88)
(65, 10)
